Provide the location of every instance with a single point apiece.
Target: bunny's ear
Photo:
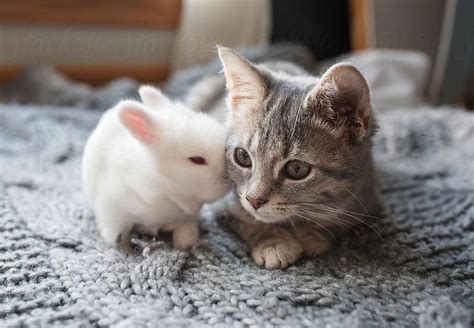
(153, 97)
(138, 122)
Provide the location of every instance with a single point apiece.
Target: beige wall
(408, 24)
(25, 45)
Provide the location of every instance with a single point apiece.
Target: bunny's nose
(256, 202)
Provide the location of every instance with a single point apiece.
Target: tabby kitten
(299, 155)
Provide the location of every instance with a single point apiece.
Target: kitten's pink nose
(256, 202)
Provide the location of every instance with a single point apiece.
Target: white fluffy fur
(131, 180)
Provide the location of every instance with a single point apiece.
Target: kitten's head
(187, 147)
(295, 143)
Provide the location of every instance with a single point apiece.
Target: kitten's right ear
(245, 86)
(138, 122)
(153, 97)
(341, 100)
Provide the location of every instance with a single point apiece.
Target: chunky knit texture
(56, 271)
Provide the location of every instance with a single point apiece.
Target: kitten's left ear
(244, 83)
(341, 100)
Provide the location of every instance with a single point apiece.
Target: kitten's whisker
(346, 213)
(321, 206)
(345, 225)
(325, 217)
(291, 223)
(339, 211)
(317, 223)
(343, 212)
(340, 221)
(358, 200)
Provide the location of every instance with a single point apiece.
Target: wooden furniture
(155, 14)
(362, 34)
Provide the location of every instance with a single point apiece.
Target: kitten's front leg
(271, 245)
(312, 241)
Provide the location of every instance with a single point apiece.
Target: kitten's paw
(185, 235)
(276, 253)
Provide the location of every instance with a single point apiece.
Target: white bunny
(153, 165)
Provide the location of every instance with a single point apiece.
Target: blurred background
(430, 43)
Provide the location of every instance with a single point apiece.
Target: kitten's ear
(152, 97)
(138, 122)
(341, 100)
(245, 85)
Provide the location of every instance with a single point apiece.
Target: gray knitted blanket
(56, 271)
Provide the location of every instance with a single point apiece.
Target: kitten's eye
(198, 160)
(242, 157)
(297, 170)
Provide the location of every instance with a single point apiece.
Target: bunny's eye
(198, 160)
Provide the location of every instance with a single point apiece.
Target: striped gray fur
(289, 123)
